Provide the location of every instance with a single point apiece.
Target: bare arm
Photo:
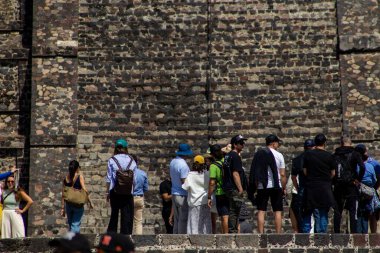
(237, 181)
(171, 221)
(283, 178)
(166, 197)
(332, 173)
(211, 189)
(81, 180)
(28, 201)
(63, 200)
(295, 183)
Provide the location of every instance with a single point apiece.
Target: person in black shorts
(268, 175)
(166, 196)
(215, 187)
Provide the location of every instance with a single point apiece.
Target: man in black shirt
(234, 181)
(298, 180)
(319, 169)
(346, 191)
(166, 195)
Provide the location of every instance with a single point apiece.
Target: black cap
(272, 138)
(72, 242)
(112, 242)
(361, 149)
(215, 149)
(238, 138)
(320, 139)
(309, 143)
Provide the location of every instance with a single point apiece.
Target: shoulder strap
(118, 164)
(74, 181)
(220, 166)
(6, 196)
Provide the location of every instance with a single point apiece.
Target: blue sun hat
(121, 142)
(184, 149)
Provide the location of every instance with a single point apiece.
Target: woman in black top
(166, 195)
(74, 212)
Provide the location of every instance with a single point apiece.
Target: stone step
(265, 243)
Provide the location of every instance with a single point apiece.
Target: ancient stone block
(302, 239)
(249, 240)
(280, 240)
(358, 25)
(361, 89)
(55, 38)
(54, 110)
(340, 240)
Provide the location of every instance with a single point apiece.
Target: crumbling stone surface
(361, 101)
(59, 37)
(54, 94)
(359, 25)
(10, 13)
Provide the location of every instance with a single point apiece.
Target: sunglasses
(12, 181)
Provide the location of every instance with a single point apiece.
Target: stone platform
(266, 243)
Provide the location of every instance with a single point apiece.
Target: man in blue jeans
(319, 169)
(298, 179)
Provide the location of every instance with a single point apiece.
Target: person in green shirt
(215, 186)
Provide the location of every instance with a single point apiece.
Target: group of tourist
(347, 179)
(216, 185)
(320, 181)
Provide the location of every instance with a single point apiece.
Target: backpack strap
(220, 166)
(118, 164)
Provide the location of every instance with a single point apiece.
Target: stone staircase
(265, 243)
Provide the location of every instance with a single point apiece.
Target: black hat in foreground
(71, 242)
(112, 242)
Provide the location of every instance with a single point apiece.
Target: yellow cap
(199, 159)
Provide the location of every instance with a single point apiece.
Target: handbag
(74, 196)
(366, 192)
(375, 202)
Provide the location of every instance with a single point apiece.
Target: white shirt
(280, 163)
(196, 185)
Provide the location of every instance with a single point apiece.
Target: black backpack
(344, 174)
(226, 173)
(124, 178)
(228, 182)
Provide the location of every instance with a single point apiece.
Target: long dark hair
(15, 190)
(6, 182)
(199, 167)
(120, 150)
(73, 167)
